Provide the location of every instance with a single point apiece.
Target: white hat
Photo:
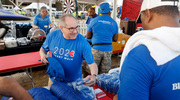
(148, 4)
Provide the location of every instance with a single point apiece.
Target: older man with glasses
(42, 21)
(69, 48)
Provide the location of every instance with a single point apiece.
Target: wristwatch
(95, 76)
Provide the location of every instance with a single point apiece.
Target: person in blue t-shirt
(91, 16)
(70, 48)
(42, 20)
(150, 63)
(103, 30)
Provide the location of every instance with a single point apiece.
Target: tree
(3, 2)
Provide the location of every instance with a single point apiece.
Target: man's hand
(35, 27)
(51, 25)
(44, 59)
(91, 82)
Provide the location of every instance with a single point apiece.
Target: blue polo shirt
(40, 22)
(70, 53)
(103, 28)
(142, 79)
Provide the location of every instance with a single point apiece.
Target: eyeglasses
(71, 29)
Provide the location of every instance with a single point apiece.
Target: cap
(104, 8)
(148, 4)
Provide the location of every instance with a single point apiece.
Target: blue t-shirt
(142, 79)
(69, 53)
(103, 29)
(38, 21)
(88, 22)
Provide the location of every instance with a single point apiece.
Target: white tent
(16, 8)
(97, 2)
(35, 6)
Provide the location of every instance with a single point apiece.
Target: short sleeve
(89, 28)
(35, 20)
(136, 76)
(46, 43)
(87, 53)
(49, 21)
(116, 29)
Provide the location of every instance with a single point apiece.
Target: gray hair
(62, 19)
(42, 8)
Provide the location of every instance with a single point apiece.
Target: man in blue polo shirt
(42, 21)
(70, 48)
(103, 30)
(151, 58)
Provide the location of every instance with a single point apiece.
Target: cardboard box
(128, 27)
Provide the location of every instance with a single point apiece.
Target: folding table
(20, 61)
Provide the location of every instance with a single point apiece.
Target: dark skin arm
(115, 97)
(115, 37)
(89, 34)
(11, 88)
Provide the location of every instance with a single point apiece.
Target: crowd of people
(149, 68)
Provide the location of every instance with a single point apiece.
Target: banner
(131, 9)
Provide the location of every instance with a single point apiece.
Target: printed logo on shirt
(64, 53)
(40, 19)
(104, 22)
(175, 86)
(71, 53)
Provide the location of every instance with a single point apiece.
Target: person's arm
(94, 72)
(115, 37)
(89, 29)
(51, 25)
(136, 75)
(11, 88)
(35, 27)
(43, 55)
(89, 35)
(35, 23)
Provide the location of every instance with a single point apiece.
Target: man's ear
(61, 27)
(148, 15)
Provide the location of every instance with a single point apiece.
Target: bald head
(62, 19)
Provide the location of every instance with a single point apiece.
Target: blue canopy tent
(7, 15)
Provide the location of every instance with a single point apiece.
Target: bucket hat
(104, 8)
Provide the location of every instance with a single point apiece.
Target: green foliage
(3, 2)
